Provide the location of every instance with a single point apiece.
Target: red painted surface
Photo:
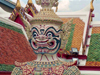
(93, 15)
(30, 13)
(18, 20)
(89, 36)
(72, 56)
(79, 56)
(89, 68)
(87, 45)
(5, 73)
(91, 26)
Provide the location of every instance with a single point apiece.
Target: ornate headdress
(47, 14)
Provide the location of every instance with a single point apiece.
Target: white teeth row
(42, 43)
(41, 51)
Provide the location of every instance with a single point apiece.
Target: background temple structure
(79, 31)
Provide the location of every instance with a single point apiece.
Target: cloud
(22, 3)
(64, 5)
(96, 18)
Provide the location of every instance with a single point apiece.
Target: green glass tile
(10, 27)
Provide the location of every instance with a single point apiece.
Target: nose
(41, 37)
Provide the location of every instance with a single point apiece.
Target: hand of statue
(18, 64)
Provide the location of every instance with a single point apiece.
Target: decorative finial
(47, 3)
(56, 8)
(91, 6)
(18, 5)
(30, 2)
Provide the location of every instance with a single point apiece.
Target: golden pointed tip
(91, 6)
(30, 2)
(18, 5)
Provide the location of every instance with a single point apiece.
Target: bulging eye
(49, 34)
(34, 34)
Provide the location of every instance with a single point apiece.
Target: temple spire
(30, 2)
(47, 4)
(91, 6)
(18, 5)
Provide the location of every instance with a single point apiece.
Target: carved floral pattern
(58, 70)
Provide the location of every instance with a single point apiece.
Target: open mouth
(44, 43)
(42, 51)
(46, 46)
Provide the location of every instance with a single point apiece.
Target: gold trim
(13, 13)
(91, 6)
(30, 2)
(46, 63)
(32, 11)
(18, 5)
(56, 8)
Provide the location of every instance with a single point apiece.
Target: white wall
(90, 72)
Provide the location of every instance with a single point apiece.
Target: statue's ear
(65, 34)
(18, 64)
(27, 28)
(66, 27)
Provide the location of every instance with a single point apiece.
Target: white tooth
(42, 50)
(46, 50)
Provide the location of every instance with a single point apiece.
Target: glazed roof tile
(14, 47)
(94, 54)
(78, 31)
(96, 30)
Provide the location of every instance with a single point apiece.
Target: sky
(70, 6)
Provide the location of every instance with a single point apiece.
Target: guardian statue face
(45, 39)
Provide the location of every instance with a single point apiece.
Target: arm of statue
(66, 30)
(69, 63)
(22, 69)
(17, 71)
(71, 68)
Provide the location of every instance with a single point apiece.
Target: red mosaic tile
(14, 47)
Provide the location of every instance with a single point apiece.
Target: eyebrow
(53, 29)
(35, 29)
